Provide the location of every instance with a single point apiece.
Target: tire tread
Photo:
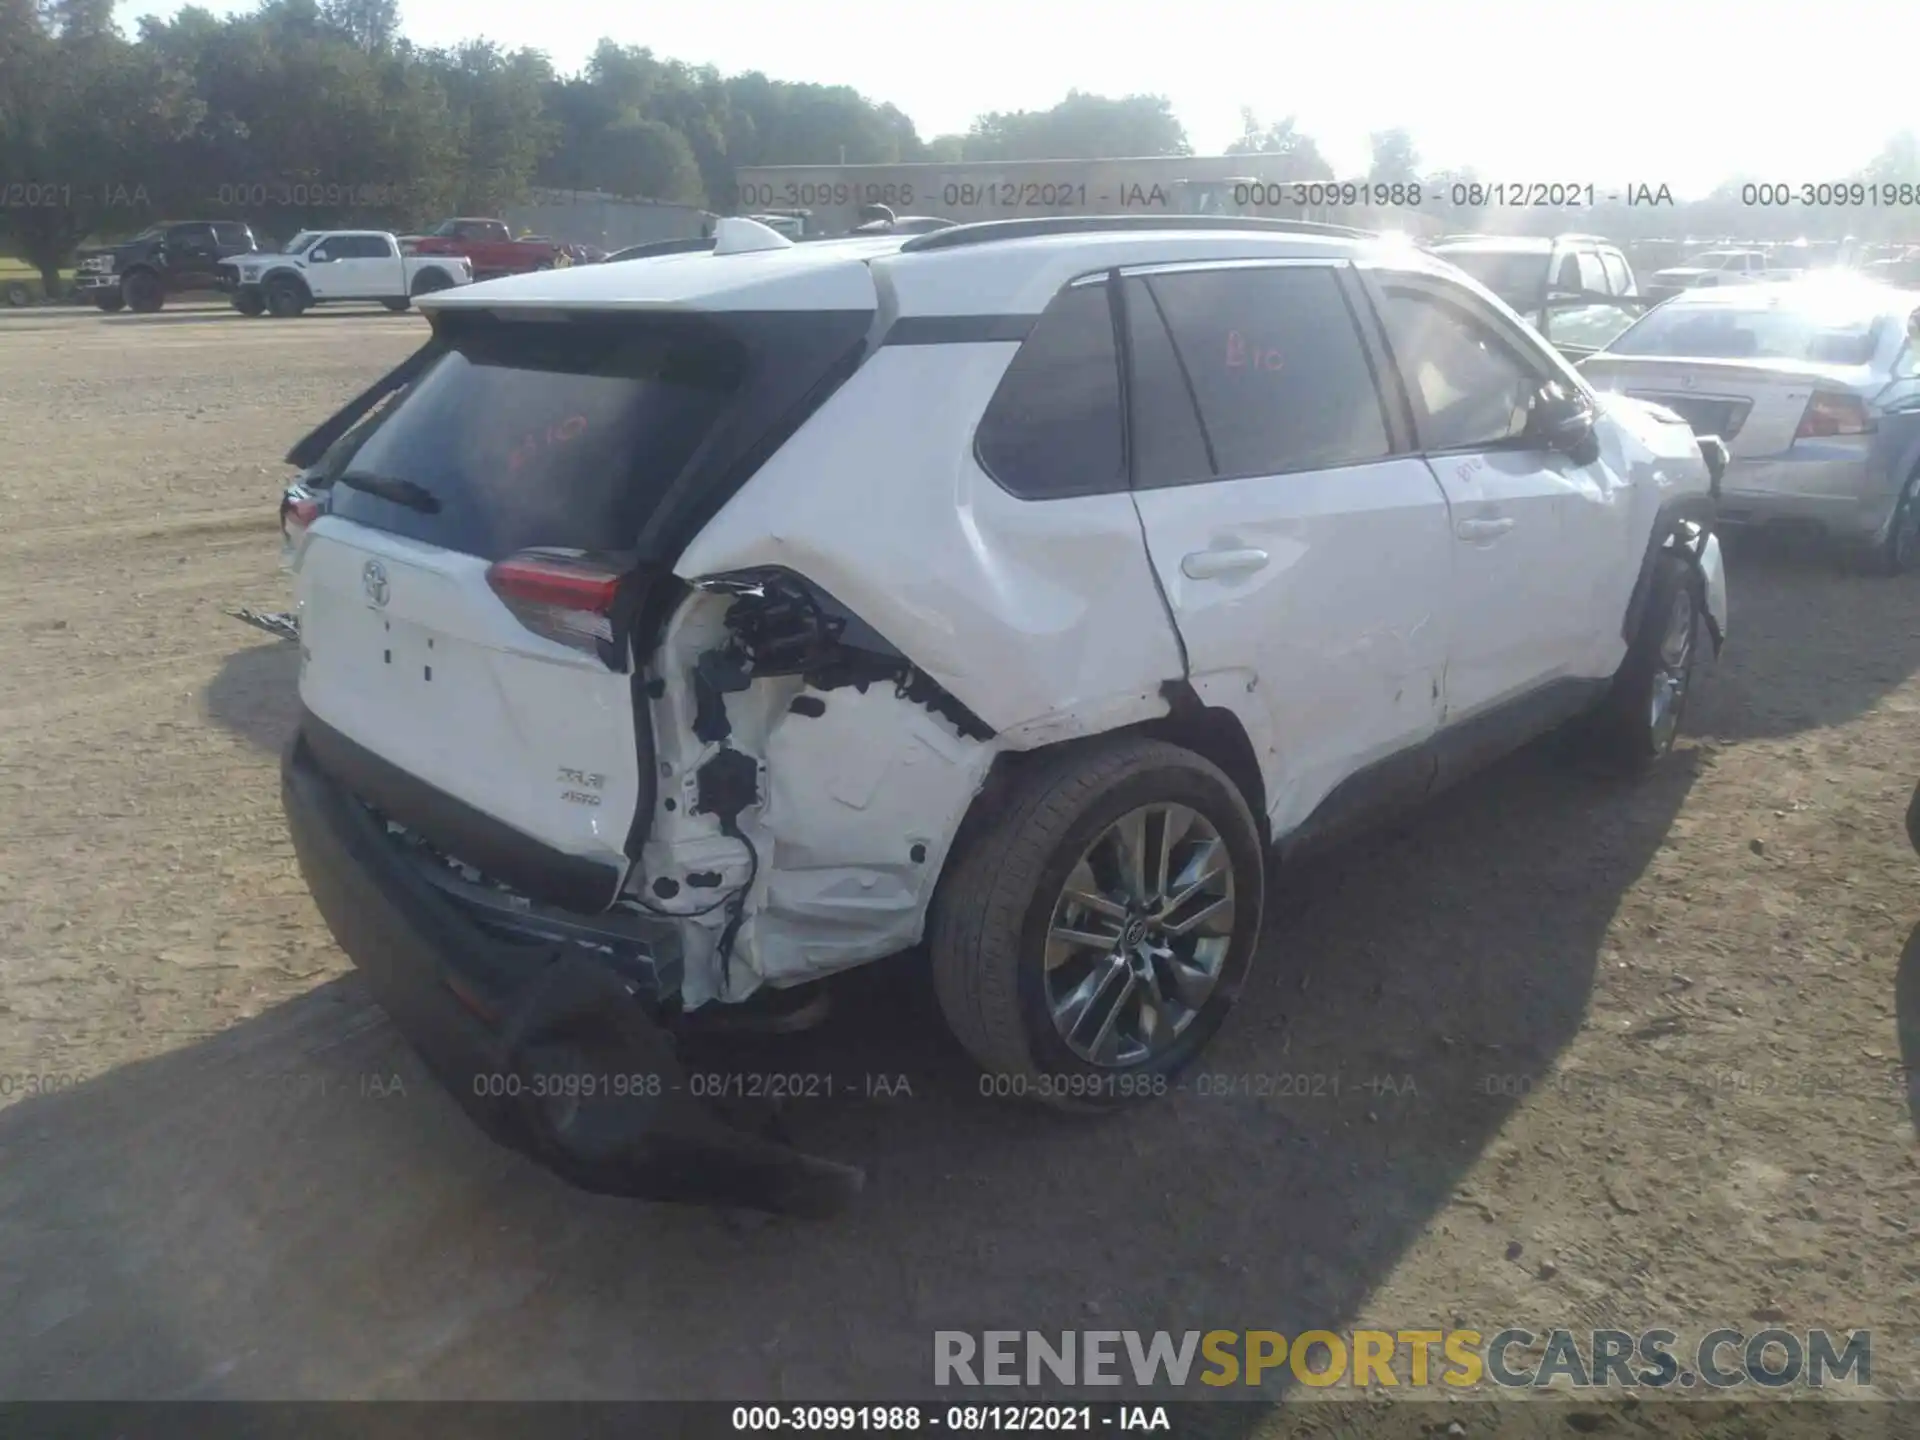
(974, 937)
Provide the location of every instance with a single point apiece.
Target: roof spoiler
(317, 442)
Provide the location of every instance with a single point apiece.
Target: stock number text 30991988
(795, 194)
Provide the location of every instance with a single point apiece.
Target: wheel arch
(1673, 532)
(286, 272)
(1213, 732)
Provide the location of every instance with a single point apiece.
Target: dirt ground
(1576, 1051)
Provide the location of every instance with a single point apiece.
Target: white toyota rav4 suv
(677, 633)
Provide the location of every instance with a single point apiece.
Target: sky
(1682, 93)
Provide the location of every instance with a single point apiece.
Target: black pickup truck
(172, 258)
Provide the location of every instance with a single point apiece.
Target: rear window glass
(1518, 279)
(1759, 332)
(528, 434)
(1277, 369)
(1053, 427)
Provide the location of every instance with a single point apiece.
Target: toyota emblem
(373, 580)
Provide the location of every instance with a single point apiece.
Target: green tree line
(320, 112)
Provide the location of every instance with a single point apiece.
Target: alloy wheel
(1906, 530)
(1139, 934)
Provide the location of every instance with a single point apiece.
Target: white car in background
(690, 629)
(1710, 268)
(1814, 386)
(320, 267)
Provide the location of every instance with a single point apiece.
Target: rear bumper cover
(551, 1052)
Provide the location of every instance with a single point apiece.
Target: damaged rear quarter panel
(861, 793)
(1032, 613)
(1041, 618)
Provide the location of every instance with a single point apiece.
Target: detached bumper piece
(549, 1049)
(283, 625)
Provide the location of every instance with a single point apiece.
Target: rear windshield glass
(529, 434)
(1823, 336)
(1520, 280)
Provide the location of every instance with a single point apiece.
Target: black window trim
(1395, 420)
(1549, 362)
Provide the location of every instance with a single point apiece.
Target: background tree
(1297, 150)
(1080, 127)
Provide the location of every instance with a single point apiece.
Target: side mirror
(318, 255)
(1561, 419)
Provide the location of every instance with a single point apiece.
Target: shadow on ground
(255, 694)
(291, 1208)
(1906, 1010)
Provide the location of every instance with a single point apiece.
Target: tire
(285, 299)
(250, 304)
(1000, 902)
(399, 305)
(18, 293)
(429, 282)
(1899, 553)
(143, 292)
(1640, 718)
(110, 301)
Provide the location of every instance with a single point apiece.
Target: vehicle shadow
(291, 1209)
(1838, 641)
(1906, 1012)
(255, 692)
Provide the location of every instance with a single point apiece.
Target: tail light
(1831, 413)
(564, 595)
(298, 510)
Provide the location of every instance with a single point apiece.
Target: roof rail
(985, 232)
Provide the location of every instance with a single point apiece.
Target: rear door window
(1169, 447)
(1053, 427)
(527, 434)
(1277, 368)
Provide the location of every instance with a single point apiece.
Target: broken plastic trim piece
(784, 624)
(281, 625)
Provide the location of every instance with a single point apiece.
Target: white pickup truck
(318, 267)
(1720, 267)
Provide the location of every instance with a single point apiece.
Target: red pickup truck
(489, 244)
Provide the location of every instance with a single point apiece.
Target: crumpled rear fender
(1713, 586)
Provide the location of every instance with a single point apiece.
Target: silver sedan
(1813, 384)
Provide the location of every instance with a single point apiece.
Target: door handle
(1483, 529)
(1207, 564)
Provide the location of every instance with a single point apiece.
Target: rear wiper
(409, 493)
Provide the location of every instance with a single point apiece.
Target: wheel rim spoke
(1139, 934)
(1212, 909)
(1089, 1014)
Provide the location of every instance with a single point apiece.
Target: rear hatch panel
(588, 432)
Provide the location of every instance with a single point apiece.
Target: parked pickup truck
(318, 267)
(173, 258)
(490, 245)
(1720, 267)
